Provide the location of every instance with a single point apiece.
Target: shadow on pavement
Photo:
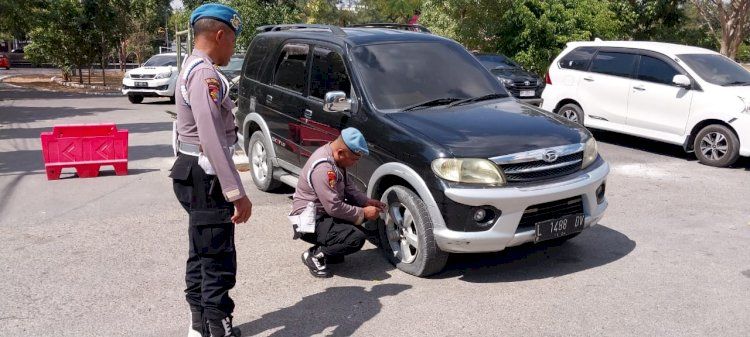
(597, 246)
(8, 93)
(24, 114)
(133, 128)
(642, 144)
(367, 265)
(343, 308)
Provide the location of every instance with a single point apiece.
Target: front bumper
(161, 87)
(532, 101)
(742, 126)
(513, 201)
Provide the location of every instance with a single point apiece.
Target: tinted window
(399, 75)
(496, 62)
(255, 56)
(616, 64)
(717, 69)
(578, 59)
(161, 61)
(291, 68)
(328, 73)
(655, 70)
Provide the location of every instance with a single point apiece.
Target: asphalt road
(105, 256)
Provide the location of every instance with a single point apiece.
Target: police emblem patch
(235, 22)
(331, 178)
(214, 88)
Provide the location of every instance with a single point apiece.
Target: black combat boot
(315, 260)
(223, 327)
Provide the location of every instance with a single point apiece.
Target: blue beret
(218, 12)
(355, 141)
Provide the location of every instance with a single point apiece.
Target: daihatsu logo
(526, 83)
(550, 156)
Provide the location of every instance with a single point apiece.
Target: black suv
(462, 166)
(522, 84)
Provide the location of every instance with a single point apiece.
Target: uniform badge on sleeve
(331, 179)
(214, 88)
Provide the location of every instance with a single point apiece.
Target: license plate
(555, 228)
(141, 84)
(527, 93)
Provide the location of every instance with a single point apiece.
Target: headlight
(505, 81)
(164, 75)
(745, 105)
(470, 171)
(589, 152)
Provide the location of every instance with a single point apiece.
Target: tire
(717, 145)
(171, 99)
(411, 220)
(135, 99)
(571, 112)
(261, 165)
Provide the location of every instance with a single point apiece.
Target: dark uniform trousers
(212, 260)
(336, 237)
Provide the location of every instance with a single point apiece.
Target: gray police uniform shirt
(330, 190)
(208, 120)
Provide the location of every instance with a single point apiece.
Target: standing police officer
(204, 177)
(339, 207)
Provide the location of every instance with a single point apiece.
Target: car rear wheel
(716, 145)
(406, 237)
(571, 112)
(135, 99)
(261, 164)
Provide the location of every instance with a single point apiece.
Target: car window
(399, 75)
(161, 61)
(613, 63)
(577, 59)
(717, 69)
(255, 56)
(497, 62)
(328, 73)
(291, 68)
(655, 70)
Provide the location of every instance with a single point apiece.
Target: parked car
(462, 166)
(157, 77)
(232, 72)
(4, 62)
(522, 84)
(677, 94)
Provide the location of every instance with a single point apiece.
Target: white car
(156, 78)
(677, 94)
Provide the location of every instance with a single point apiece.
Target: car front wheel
(571, 112)
(716, 145)
(406, 237)
(135, 99)
(261, 164)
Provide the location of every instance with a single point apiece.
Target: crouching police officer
(335, 208)
(205, 180)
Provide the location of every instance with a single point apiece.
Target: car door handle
(308, 113)
(269, 98)
(590, 79)
(639, 88)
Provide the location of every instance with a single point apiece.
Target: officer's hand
(243, 208)
(376, 203)
(372, 212)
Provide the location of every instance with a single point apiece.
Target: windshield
(400, 75)
(161, 61)
(496, 62)
(235, 64)
(717, 69)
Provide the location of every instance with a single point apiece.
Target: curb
(68, 84)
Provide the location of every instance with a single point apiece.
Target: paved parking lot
(105, 256)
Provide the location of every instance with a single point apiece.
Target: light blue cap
(218, 12)
(355, 141)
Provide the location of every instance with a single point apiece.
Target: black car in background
(232, 71)
(524, 85)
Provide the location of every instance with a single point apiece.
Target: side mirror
(682, 81)
(336, 101)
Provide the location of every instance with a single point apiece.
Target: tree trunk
(104, 74)
(80, 74)
(121, 51)
(89, 73)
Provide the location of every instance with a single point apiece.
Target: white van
(677, 94)
(156, 78)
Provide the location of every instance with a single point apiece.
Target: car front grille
(516, 89)
(549, 211)
(139, 77)
(540, 169)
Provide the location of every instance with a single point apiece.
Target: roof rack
(401, 26)
(335, 30)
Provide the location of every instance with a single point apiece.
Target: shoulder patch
(214, 89)
(331, 179)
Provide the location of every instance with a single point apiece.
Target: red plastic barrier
(85, 148)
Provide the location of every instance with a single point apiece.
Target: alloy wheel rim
(714, 146)
(260, 164)
(402, 233)
(570, 115)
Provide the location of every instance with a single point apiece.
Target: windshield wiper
(433, 102)
(742, 83)
(478, 98)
